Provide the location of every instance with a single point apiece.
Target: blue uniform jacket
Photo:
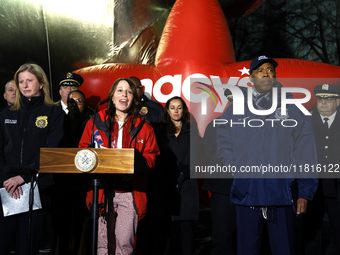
(251, 144)
(24, 132)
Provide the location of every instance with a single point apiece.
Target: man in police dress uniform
(68, 82)
(326, 125)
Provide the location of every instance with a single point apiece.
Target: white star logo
(244, 71)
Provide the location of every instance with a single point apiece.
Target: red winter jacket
(141, 138)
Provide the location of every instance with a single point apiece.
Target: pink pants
(125, 226)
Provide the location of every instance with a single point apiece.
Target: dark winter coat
(74, 128)
(24, 132)
(152, 111)
(271, 144)
(175, 163)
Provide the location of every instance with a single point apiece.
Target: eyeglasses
(139, 87)
(79, 100)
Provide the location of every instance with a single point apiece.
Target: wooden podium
(88, 161)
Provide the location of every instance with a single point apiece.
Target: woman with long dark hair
(175, 162)
(34, 121)
(121, 126)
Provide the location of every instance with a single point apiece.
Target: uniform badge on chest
(144, 110)
(41, 122)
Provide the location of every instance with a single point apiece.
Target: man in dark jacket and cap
(262, 195)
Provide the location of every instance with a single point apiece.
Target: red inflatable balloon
(196, 51)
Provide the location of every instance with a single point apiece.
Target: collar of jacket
(34, 102)
(317, 120)
(86, 114)
(144, 98)
(185, 129)
(102, 122)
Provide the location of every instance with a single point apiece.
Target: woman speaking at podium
(122, 126)
(34, 121)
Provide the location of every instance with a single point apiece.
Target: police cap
(258, 61)
(70, 79)
(327, 90)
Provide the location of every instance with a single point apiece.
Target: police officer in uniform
(151, 109)
(326, 125)
(148, 228)
(68, 82)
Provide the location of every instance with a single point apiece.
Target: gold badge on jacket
(144, 110)
(41, 122)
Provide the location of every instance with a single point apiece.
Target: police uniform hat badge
(327, 90)
(144, 110)
(70, 79)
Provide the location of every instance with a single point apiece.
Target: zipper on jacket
(136, 130)
(22, 145)
(23, 134)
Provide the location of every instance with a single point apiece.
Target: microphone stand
(92, 145)
(95, 185)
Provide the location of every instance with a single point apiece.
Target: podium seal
(86, 160)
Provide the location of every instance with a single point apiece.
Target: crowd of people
(140, 210)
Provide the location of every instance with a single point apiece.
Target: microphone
(92, 144)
